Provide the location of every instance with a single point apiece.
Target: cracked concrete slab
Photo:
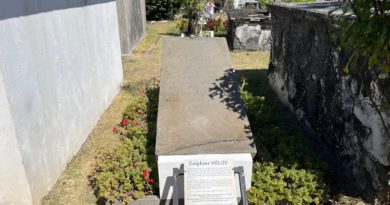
(200, 108)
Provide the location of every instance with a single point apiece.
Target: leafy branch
(366, 33)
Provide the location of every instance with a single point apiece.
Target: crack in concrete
(203, 144)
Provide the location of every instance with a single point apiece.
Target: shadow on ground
(169, 34)
(226, 90)
(271, 122)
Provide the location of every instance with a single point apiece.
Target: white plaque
(209, 182)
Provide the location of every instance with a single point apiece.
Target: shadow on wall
(19, 8)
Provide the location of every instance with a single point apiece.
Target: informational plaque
(209, 182)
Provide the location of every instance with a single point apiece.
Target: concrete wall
(60, 68)
(14, 186)
(346, 114)
(132, 23)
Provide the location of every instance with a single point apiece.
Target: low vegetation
(129, 172)
(285, 169)
(218, 25)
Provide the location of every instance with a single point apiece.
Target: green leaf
(346, 70)
(373, 60)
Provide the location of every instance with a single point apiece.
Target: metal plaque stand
(176, 173)
(241, 178)
(237, 170)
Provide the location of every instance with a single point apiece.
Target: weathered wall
(61, 67)
(132, 23)
(306, 71)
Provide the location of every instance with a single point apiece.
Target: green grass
(250, 60)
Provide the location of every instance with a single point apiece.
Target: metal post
(175, 192)
(176, 173)
(241, 178)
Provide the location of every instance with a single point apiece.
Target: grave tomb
(249, 29)
(202, 126)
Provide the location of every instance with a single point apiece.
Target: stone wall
(344, 113)
(132, 23)
(60, 67)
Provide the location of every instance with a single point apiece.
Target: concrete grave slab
(201, 112)
(200, 108)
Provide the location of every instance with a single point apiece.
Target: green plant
(273, 184)
(192, 7)
(182, 24)
(285, 170)
(263, 3)
(120, 175)
(128, 172)
(365, 32)
(161, 9)
(217, 25)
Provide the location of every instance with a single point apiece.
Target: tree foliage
(193, 5)
(161, 9)
(365, 32)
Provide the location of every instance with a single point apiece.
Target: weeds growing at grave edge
(129, 172)
(285, 170)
